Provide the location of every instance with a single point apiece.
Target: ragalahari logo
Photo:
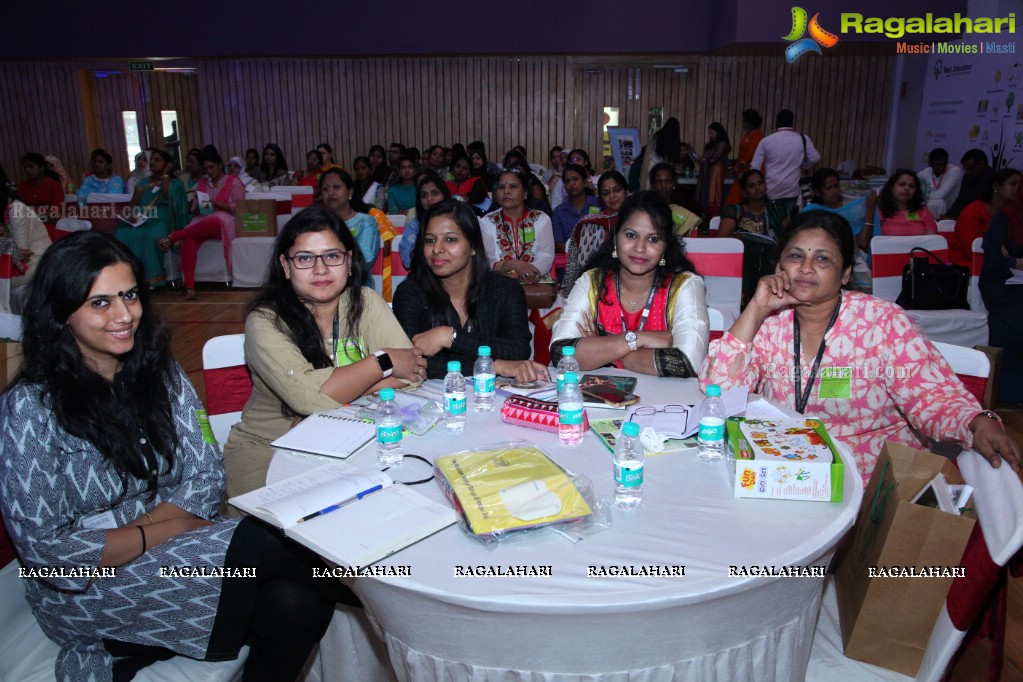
(818, 36)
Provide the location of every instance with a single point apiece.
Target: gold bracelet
(146, 514)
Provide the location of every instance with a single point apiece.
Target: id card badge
(100, 521)
(836, 383)
(205, 427)
(528, 234)
(349, 351)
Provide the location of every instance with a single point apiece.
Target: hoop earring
(614, 253)
(662, 262)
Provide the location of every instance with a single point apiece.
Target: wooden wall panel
(40, 112)
(539, 101)
(355, 103)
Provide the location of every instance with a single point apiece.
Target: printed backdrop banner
(972, 101)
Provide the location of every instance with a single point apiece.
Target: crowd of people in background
(537, 220)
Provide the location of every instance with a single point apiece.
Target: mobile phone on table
(610, 394)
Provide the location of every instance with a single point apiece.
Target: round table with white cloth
(702, 626)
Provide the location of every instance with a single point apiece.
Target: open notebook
(360, 532)
(334, 433)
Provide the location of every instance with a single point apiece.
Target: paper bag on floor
(887, 621)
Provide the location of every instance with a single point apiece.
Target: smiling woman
(642, 306)
(105, 403)
(452, 302)
(314, 339)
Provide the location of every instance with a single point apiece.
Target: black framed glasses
(332, 259)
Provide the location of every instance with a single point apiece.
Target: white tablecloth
(703, 626)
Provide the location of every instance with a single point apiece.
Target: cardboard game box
(784, 459)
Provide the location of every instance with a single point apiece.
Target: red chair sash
(227, 389)
(717, 264)
(977, 386)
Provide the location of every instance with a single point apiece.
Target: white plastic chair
(715, 225)
(946, 225)
(225, 353)
(976, 265)
(889, 256)
(719, 262)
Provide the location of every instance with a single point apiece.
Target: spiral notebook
(332, 433)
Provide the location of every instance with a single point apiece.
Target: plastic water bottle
(483, 379)
(389, 450)
(711, 439)
(568, 363)
(570, 411)
(628, 462)
(454, 398)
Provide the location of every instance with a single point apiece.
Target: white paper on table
(686, 423)
(1017, 277)
(764, 409)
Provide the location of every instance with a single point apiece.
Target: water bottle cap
(485, 350)
(713, 391)
(571, 378)
(568, 350)
(454, 366)
(387, 394)
(630, 429)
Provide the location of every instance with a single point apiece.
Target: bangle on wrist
(146, 514)
(143, 533)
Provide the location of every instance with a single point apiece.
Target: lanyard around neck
(646, 308)
(803, 396)
(336, 332)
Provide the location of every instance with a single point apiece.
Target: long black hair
(654, 205)
(668, 141)
(278, 296)
(721, 136)
(439, 310)
(84, 403)
(280, 165)
(885, 200)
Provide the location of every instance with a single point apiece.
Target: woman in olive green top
(312, 342)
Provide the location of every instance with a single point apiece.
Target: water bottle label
(711, 432)
(454, 403)
(389, 434)
(483, 384)
(629, 477)
(570, 417)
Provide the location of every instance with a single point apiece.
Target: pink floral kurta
(901, 387)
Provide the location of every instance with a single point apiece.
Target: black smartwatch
(384, 362)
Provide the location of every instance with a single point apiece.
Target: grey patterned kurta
(52, 484)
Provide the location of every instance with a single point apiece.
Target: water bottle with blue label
(628, 467)
(710, 441)
(388, 418)
(484, 381)
(454, 398)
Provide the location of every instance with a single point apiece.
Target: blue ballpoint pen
(340, 504)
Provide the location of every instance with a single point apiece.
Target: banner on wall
(972, 100)
(625, 147)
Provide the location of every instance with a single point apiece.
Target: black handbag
(928, 283)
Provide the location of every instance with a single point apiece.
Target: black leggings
(281, 613)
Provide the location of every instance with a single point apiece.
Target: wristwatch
(384, 362)
(631, 339)
(990, 414)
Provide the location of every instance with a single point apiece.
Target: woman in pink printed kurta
(900, 388)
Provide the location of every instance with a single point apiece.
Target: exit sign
(140, 66)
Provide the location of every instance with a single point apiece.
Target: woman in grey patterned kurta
(97, 471)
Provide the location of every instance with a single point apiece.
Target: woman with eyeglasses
(216, 219)
(314, 340)
(641, 306)
(431, 188)
(452, 302)
(519, 241)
